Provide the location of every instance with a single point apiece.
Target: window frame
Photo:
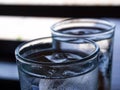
(7, 47)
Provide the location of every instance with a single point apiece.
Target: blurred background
(23, 20)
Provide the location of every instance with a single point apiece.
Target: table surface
(116, 60)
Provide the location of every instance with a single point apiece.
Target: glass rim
(84, 20)
(29, 61)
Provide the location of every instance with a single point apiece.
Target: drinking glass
(42, 65)
(98, 30)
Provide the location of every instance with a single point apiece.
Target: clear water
(81, 30)
(63, 77)
(105, 41)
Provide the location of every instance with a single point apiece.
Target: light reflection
(62, 2)
(8, 71)
(25, 28)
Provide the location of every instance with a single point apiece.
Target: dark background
(60, 11)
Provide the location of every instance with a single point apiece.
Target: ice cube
(76, 83)
(44, 84)
(72, 84)
(82, 82)
(61, 84)
(71, 56)
(35, 87)
(62, 57)
(103, 62)
(50, 84)
(77, 32)
(57, 57)
(35, 81)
